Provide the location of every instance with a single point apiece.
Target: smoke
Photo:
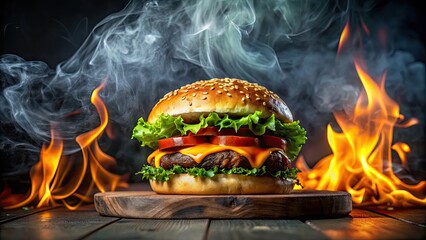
(152, 47)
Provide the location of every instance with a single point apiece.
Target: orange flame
(364, 27)
(343, 38)
(70, 180)
(361, 163)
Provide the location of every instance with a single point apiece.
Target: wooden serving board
(298, 204)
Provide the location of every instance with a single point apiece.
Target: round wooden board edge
(148, 204)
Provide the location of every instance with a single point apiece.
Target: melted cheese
(256, 156)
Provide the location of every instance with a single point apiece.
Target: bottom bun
(222, 184)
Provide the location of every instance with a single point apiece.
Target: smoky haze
(151, 47)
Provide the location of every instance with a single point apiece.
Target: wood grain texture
(410, 215)
(298, 204)
(262, 229)
(59, 223)
(185, 229)
(9, 215)
(363, 224)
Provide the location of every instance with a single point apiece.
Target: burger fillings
(220, 136)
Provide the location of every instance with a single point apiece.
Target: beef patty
(226, 159)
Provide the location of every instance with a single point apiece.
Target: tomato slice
(207, 131)
(186, 141)
(245, 131)
(212, 131)
(233, 140)
(272, 141)
(242, 131)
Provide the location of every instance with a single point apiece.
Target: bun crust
(224, 96)
(222, 184)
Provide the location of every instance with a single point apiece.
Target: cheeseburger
(220, 136)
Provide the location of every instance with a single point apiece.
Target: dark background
(50, 31)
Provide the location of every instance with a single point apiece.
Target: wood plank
(153, 229)
(410, 215)
(298, 204)
(261, 229)
(363, 224)
(12, 214)
(58, 223)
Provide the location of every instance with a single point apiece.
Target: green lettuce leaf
(167, 126)
(295, 136)
(161, 174)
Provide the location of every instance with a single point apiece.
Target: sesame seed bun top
(230, 96)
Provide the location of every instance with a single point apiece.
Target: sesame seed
(241, 92)
(183, 97)
(236, 87)
(264, 103)
(257, 99)
(229, 95)
(243, 99)
(204, 98)
(212, 88)
(190, 103)
(205, 93)
(220, 92)
(194, 94)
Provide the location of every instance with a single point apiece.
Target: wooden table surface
(86, 223)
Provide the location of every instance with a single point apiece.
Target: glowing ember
(70, 180)
(361, 162)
